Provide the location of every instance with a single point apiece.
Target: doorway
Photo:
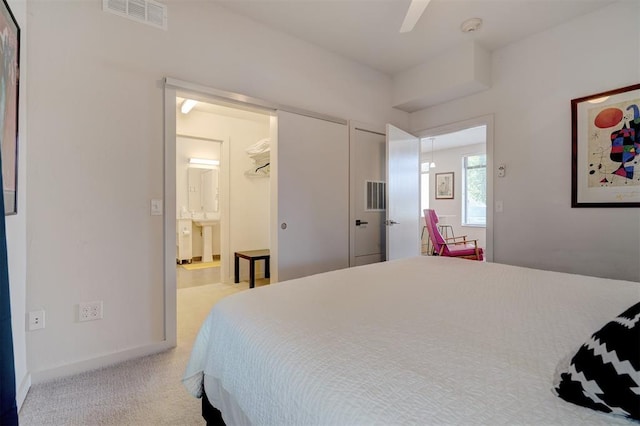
(215, 205)
(461, 152)
(198, 224)
(222, 186)
(384, 193)
(367, 165)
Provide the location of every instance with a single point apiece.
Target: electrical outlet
(90, 311)
(36, 320)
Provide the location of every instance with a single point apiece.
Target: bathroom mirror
(203, 189)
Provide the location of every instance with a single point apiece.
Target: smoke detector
(471, 25)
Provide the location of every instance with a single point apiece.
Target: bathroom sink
(207, 233)
(205, 222)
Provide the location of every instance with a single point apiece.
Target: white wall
(452, 74)
(16, 225)
(533, 83)
(450, 160)
(96, 153)
(249, 197)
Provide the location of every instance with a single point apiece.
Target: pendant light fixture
(432, 164)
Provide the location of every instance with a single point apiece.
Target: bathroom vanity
(196, 226)
(184, 241)
(189, 232)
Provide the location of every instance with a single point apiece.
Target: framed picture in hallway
(605, 149)
(9, 82)
(444, 186)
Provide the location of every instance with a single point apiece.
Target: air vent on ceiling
(145, 11)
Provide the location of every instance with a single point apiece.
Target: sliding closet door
(311, 181)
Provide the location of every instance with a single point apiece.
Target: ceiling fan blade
(416, 8)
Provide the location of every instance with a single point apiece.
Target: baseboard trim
(99, 362)
(22, 391)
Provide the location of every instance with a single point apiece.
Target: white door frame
(210, 95)
(484, 120)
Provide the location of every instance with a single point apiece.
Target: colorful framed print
(9, 83)
(605, 149)
(444, 186)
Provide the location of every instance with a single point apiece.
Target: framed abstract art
(9, 83)
(605, 160)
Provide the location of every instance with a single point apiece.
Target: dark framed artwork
(605, 149)
(9, 84)
(444, 186)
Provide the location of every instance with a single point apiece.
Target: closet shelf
(260, 154)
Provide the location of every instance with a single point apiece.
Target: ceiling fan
(415, 11)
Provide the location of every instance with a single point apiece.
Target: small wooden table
(252, 256)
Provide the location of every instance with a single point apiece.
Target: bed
(426, 340)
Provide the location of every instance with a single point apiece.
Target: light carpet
(144, 391)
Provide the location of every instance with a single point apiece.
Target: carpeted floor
(145, 391)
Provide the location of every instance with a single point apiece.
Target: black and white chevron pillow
(605, 372)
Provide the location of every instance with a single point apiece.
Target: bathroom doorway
(222, 188)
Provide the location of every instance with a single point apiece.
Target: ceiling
(457, 139)
(367, 30)
(204, 104)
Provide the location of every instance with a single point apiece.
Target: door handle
(361, 222)
(391, 222)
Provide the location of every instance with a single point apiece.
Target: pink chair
(450, 247)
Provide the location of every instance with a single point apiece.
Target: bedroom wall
(533, 83)
(16, 225)
(96, 154)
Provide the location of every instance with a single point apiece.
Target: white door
(367, 158)
(310, 233)
(403, 194)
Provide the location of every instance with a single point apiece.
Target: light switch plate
(156, 207)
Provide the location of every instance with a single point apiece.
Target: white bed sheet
(418, 341)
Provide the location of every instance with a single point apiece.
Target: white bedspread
(420, 341)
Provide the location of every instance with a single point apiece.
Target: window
(474, 187)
